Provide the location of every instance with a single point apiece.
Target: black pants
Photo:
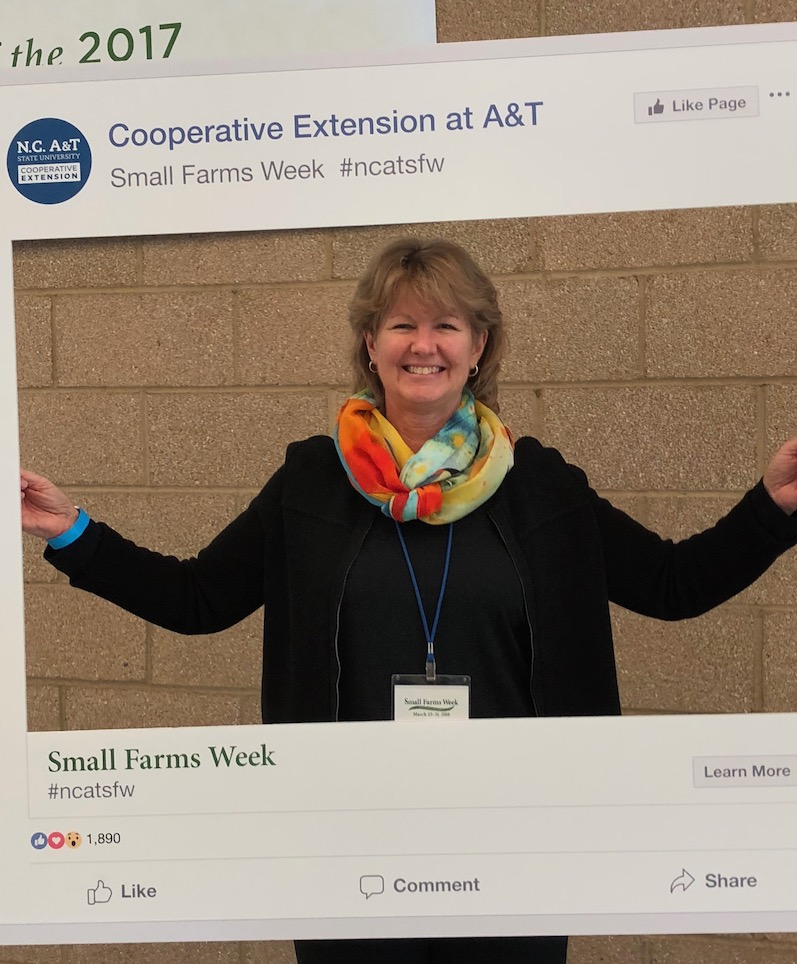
(449, 950)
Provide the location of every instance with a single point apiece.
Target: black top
(295, 545)
(483, 630)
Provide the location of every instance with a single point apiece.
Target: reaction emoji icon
(38, 841)
(73, 840)
(56, 840)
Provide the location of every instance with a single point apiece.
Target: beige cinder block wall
(160, 379)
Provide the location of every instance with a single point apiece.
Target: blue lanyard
(431, 665)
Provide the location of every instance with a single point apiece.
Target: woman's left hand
(780, 477)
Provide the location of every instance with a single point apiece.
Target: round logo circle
(49, 161)
(38, 841)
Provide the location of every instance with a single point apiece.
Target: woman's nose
(423, 341)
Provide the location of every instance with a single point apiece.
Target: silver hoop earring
(372, 366)
(473, 372)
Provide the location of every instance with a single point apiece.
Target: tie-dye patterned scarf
(448, 477)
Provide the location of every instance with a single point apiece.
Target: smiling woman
(422, 547)
(424, 356)
(439, 278)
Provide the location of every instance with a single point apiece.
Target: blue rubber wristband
(75, 531)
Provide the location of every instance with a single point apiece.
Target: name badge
(416, 698)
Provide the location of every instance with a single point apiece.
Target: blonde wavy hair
(440, 274)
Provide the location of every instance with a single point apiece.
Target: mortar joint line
(755, 232)
(141, 686)
(761, 428)
(329, 255)
(759, 689)
(331, 410)
(53, 345)
(642, 325)
(139, 249)
(236, 336)
(144, 414)
(540, 393)
(625, 271)
(184, 287)
(537, 274)
(534, 251)
(61, 707)
(148, 654)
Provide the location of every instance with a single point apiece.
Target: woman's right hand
(46, 511)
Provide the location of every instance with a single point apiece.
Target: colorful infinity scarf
(448, 477)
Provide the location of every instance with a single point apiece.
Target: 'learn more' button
(745, 771)
(707, 103)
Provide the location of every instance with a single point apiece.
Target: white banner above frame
(50, 34)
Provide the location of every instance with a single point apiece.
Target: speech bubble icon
(372, 884)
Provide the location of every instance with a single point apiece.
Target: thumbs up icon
(38, 841)
(657, 108)
(99, 894)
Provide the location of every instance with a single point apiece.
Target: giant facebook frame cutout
(512, 853)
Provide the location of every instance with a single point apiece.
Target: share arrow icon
(685, 881)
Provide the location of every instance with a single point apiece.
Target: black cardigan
(293, 546)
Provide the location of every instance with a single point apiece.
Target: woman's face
(423, 355)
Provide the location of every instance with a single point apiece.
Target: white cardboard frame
(593, 95)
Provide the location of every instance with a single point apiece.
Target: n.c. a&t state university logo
(49, 161)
